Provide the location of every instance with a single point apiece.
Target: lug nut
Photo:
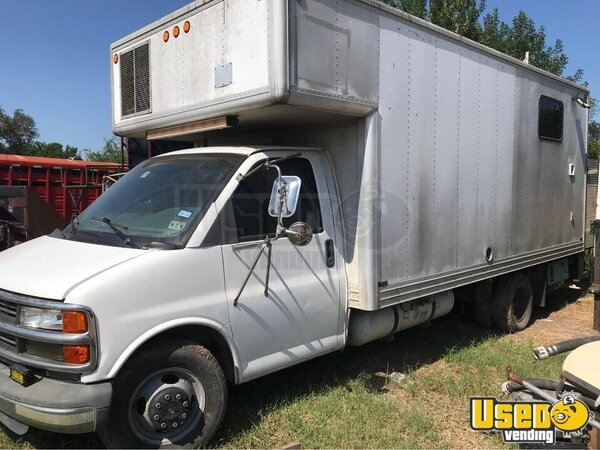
(163, 425)
(156, 417)
(184, 416)
(157, 405)
(185, 404)
(167, 397)
(174, 424)
(178, 397)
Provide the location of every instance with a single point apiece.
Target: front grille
(8, 314)
(135, 80)
(8, 341)
(7, 309)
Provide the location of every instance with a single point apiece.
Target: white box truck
(349, 169)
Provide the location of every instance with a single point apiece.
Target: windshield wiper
(116, 227)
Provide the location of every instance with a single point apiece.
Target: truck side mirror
(300, 234)
(284, 196)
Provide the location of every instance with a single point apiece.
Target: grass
(367, 411)
(346, 400)
(337, 417)
(480, 368)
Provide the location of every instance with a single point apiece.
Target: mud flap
(13, 425)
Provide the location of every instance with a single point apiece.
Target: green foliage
(18, 135)
(593, 107)
(52, 150)
(466, 18)
(593, 149)
(415, 7)
(459, 16)
(111, 152)
(17, 132)
(494, 32)
(523, 36)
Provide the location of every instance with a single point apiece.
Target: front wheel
(172, 395)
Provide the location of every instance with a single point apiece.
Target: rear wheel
(173, 395)
(512, 303)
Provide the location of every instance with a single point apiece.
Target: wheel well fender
(217, 341)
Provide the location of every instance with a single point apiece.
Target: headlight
(48, 319)
(53, 319)
(68, 322)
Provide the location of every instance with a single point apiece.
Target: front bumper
(54, 405)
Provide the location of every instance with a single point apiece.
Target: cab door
(302, 314)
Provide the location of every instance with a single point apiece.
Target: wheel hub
(169, 409)
(166, 405)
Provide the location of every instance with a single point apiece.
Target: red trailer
(38, 195)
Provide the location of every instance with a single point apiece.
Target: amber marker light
(186, 26)
(74, 322)
(166, 36)
(176, 31)
(115, 58)
(76, 354)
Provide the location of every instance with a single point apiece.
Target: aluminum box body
(433, 138)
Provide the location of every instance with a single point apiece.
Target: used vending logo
(529, 422)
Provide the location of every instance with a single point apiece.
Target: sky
(55, 60)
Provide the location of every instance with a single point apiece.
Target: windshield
(160, 201)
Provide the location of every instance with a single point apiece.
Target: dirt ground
(569, 315)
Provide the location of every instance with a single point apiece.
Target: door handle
(329, 253)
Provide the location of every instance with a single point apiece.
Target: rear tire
(512, 303)
(170, 395)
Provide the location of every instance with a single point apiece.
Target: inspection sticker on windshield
(185, 214)
(176, 225)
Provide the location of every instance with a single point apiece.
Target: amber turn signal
(115, 58)
(74, 322)
(166, 36)
(76, 354)
(186, 26)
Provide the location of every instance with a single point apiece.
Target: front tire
(172, 395)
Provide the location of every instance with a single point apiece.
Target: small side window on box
(550, 125)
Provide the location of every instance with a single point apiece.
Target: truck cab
(188, 214)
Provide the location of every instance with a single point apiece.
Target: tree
(593, 149)
(111, 152)
(465, 18)
(459, 16)
(415, 7)
(17, 132)
(52, 150)
(495, 33)
(522, 37)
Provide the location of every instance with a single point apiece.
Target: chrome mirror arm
(261, 247)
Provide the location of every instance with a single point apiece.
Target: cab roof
(243, 150)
